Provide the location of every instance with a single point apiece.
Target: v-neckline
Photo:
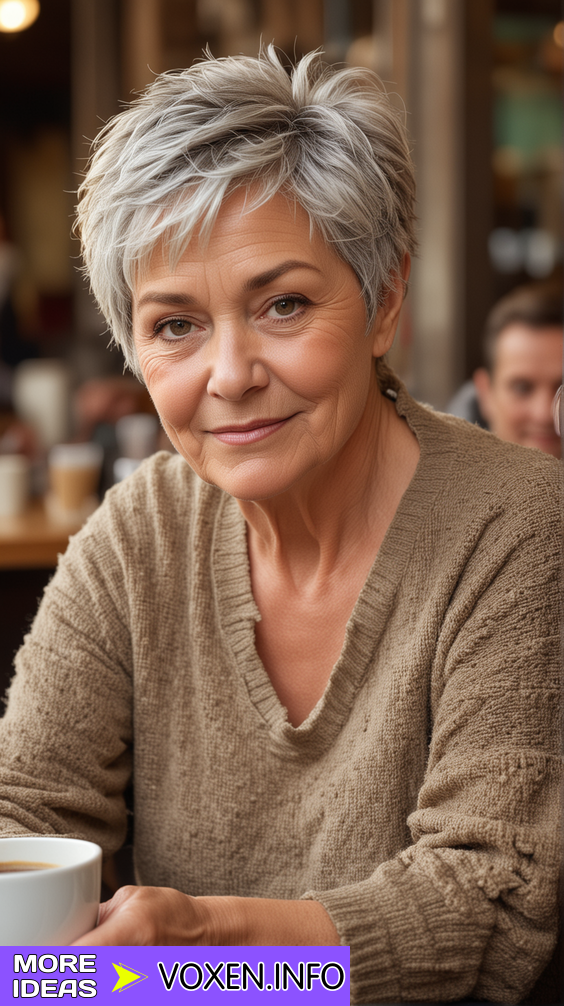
(239, 612)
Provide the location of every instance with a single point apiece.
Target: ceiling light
(15, 15)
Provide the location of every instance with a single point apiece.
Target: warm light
(15, 15)
(558, 34)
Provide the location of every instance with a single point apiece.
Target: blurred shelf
(32, 539)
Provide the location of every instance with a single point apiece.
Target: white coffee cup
(14, 484)
(55, 905)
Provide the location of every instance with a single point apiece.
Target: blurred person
(523, 346)
(512, 395)
(322, 639)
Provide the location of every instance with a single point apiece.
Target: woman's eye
(174, 328)
(285, 307)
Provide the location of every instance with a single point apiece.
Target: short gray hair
(329, 139)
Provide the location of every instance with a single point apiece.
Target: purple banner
(148, 975)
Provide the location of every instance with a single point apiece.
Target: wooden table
(32, 540)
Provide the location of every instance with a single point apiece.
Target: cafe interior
(481, 83)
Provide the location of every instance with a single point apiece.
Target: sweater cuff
(409, 939)
(374, 976)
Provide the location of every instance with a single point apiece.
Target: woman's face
(254, 349)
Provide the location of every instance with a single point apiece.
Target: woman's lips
(248, 434)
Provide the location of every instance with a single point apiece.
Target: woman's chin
(253, 491)
(253, 481)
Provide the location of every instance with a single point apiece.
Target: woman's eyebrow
(174, 299)
(264, 278)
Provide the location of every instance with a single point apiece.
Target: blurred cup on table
(41, 396)
(74, 473)
(14, 484)
(49, 890)
(137, 435)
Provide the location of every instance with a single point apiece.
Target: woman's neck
(339, 509)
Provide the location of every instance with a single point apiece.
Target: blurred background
(481, 82)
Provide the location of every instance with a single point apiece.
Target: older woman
(326, 647)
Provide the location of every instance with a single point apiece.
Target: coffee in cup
(49, 890)
(21, 865)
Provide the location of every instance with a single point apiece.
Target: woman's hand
(146, 917)
(163, 917)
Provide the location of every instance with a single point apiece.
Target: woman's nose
(235, 366)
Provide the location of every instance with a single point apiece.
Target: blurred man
(523, 353)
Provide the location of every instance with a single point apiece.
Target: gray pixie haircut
(329, 140)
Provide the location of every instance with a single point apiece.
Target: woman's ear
(386, 321)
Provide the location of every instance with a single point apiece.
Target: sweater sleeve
(470, 907)
(65, 738)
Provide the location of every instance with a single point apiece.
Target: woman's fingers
(115, 917)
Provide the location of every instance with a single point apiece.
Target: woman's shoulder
(478, 467)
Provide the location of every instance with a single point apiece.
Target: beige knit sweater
(418, 802)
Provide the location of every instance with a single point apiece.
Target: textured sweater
(419, 800)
